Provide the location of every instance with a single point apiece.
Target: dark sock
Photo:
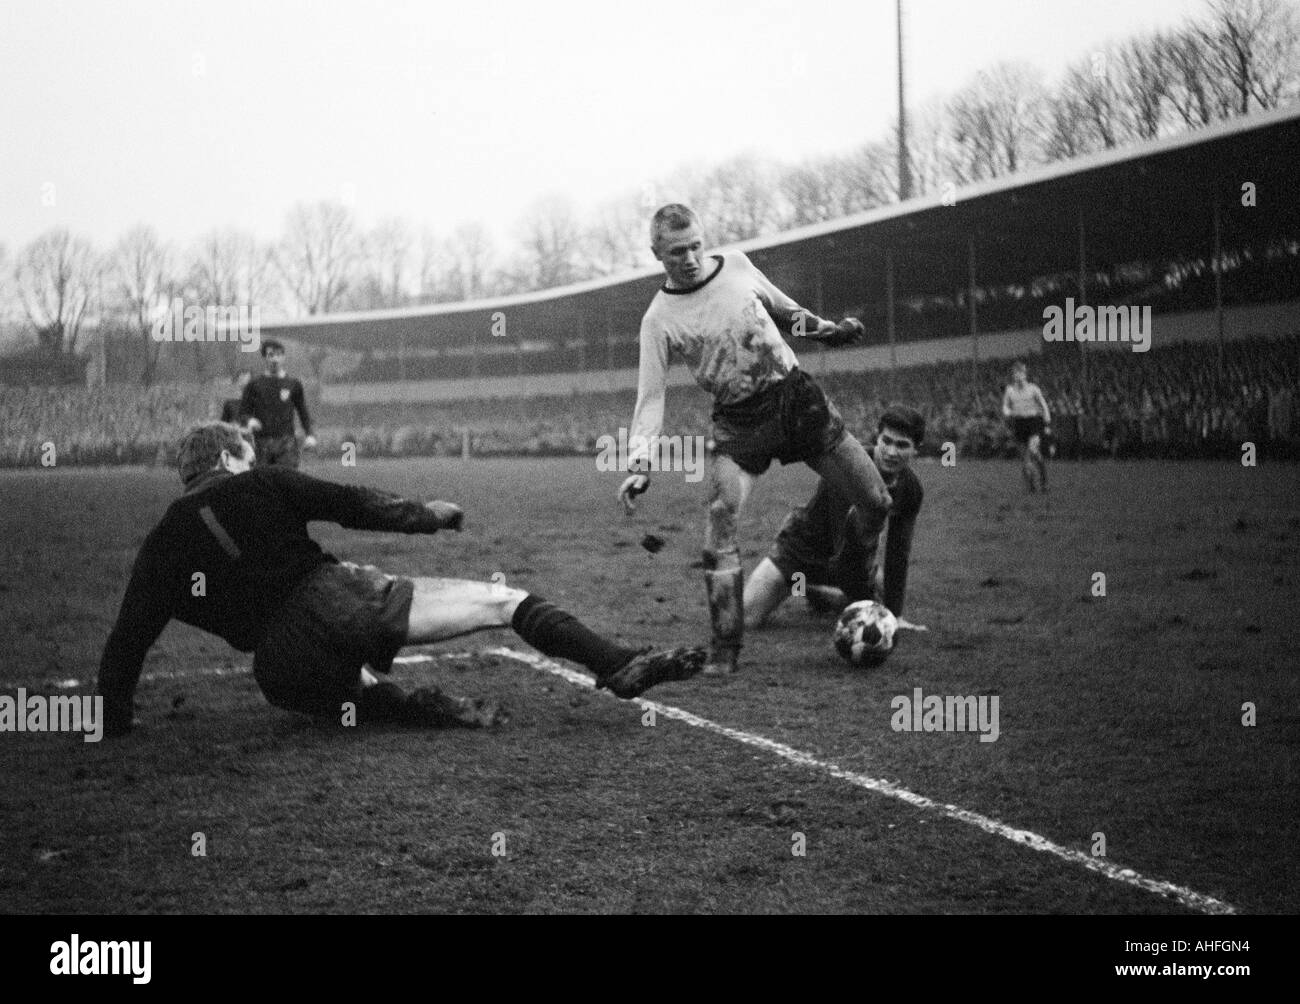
(382, 702)
(553, 631)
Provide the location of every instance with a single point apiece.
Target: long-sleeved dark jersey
(226, 555)
(272, 401)
(829, 540)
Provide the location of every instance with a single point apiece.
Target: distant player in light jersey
(1024, 406)
(724, 318)
(835, 548)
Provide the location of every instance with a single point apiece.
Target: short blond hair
(200, 448)
(674, 216)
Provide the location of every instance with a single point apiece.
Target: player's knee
(722, 511)
(722, 525)
(717, 559)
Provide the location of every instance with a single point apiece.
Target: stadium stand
(1182, 400)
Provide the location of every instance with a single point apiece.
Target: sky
(192, 116)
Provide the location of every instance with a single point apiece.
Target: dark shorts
(337, 619)
(1026, 428)
(278, 451)
(792, 421)
(846, 561)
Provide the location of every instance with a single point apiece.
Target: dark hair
(904, 419)
(1019, 364)
(269, 344)
(674, 216)
(201, 447)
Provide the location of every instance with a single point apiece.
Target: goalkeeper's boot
(430, 706)
(727, 616)
(652, 667)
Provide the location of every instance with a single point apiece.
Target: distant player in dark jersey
(833, 544)
(230, 407)
(232, 556)
(724, 318)
(1024, 406)
(267, 407)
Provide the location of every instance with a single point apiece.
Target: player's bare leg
(1026, 467)
(448, 608)
(765, 590)
(1034, 454)
(729, 487)
(849, 470)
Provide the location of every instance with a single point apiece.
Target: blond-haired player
(725, 319)
(1024, 406)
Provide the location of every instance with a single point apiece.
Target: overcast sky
(189, 116)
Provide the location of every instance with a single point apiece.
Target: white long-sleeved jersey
(1025, 402)
(723, 330)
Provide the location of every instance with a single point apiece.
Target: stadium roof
(1148, 201)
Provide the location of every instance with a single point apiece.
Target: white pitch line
(1187, 897)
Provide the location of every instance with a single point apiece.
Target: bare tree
(230, 267)
(140, 266)
(8, 300)
(1195, 91)
(384, 273)
(809, 193)
(318, 255)
(1251, 46)
(617, 239)
(736, 199)
(1068, 133)
(996, 122)
(1145, 81)
(431, 264)
(552, 245)
(56, 276)
(932, 151)
(470, 257)
(867, 177)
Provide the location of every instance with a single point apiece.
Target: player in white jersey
(722, 316)
(1024, 406)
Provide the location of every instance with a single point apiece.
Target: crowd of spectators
(1184, 400)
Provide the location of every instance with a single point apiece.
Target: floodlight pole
(904, 167)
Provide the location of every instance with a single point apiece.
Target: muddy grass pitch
(1121, 716)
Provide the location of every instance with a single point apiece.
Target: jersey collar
(703, 282)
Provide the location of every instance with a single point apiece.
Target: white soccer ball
(864, 633)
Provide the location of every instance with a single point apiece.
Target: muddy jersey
(723, 330)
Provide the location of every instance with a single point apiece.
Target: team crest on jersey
(284, 393)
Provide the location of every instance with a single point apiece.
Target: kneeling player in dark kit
(833, 545)
(313, 622)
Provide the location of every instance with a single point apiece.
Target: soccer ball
(864, 634)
